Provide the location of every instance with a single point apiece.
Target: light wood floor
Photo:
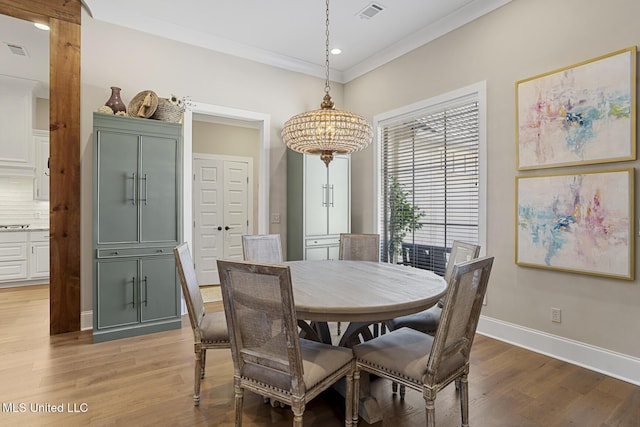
(148, 381)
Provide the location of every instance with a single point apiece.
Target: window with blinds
(429, 196)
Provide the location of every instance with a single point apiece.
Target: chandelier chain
(327, 131)
(327, 87)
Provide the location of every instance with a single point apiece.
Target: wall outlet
(275, 218)
(556, 315)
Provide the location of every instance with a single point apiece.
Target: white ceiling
(34, 66)
(285, 33)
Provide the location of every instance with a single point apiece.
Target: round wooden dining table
(361, 293)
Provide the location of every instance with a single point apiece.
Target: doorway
(262, 122)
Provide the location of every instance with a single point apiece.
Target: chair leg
(239, 394)
(348, 411)
(464, 400)
(430, 410)
(338, 328)
(403, 391)
(197, 377)
(298, 411)
(204, 362)
(356, 397)
(394, 387)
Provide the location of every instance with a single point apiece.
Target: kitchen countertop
(10, 230)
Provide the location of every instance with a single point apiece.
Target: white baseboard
(19, 284)
(616, 365)
(86, 320)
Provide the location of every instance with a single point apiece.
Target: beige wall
(520, 40)
(215, 138)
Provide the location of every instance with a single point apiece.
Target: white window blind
(430, 183)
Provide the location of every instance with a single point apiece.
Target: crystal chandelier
(327, 131)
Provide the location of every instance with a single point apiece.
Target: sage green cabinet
(134, 291)
(136, 187)
(137, 222)
(318, 205)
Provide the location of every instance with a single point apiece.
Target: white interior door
(207, 214)
(221, 195)
(236, 216)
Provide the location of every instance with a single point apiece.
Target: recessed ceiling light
(336, 51)
(41, 26)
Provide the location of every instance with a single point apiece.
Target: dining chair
(209, 329)
(262, 248)
(359, 247)
(429, 363)
(268, 357)
(427, 321)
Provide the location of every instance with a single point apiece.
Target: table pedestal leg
(368, 407)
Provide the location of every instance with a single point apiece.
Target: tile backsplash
(17, 205)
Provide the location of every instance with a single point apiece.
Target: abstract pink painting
(581, 114)
(577, 222)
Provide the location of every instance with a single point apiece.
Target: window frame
(476, 92)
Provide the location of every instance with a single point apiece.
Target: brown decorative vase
(115, 102)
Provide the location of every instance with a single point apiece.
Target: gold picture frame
(579, 222)
(577, 115)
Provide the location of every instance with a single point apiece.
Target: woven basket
(136, 107)
(168, 111)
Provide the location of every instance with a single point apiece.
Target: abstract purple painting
(581, 114)
(578, 222)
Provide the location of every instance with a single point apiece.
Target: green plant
(404, 217)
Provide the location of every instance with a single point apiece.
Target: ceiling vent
(370, 11)
(17, 50)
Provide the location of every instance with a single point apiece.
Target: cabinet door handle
(226, 227)
(146, 185)
(133, 292)
(324, 195)
(219, 228)
(145, 291)
(331, 188)
(133, 188)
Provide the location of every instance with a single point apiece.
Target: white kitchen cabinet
(41, 146)
(318, 205)
(24, 257)
(13, 256)
(16, 152)
(38, 254)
